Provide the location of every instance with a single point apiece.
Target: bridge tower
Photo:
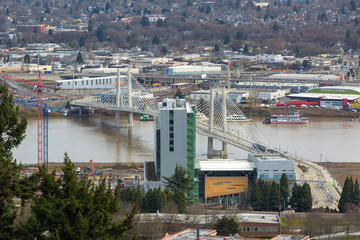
(117, 113)
(130, 115)
(224, 153)
(211, 152)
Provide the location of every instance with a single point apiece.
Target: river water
(95, 137)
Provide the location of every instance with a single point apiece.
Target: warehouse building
(271, 167)
(328, 97)
(190, 69)
(289, 87)
(315, 78)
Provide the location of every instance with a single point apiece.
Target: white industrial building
(304, 77)
(89, 83)
(192, 69)
(268, 94)
(271, 167)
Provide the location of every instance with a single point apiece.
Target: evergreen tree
(239, 36)
(256, 196)
(12, 129)
(154, 200)
(342, 10)
(107, 7)
(73, 209)
(305, 201)
(180, 200)
(179, 94)
(12, 132)
(82, 42)
(26, 58)
(274, 197)
(90, 25)
(79, 58)
(295, 196)
(227, 40)
(163, 50)
(179, 184)
(246, 49)
(144, 21)
(351, 185)
(356, 193)
(159, 23)
(216, 47)
(100, 34)
(346, 195)
(179, 180)
(348, 34)
(275, 27)
(284, 190)
(265, 199)
(226, 226)
(156, 40)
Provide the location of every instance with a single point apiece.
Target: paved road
(324, 188)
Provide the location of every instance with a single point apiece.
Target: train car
(89, 83)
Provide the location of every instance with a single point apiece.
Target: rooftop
(310, 77)
(325, 96)
(224, 165)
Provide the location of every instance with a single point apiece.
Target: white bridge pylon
(219, 118)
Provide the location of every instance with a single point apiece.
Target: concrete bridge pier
(117, 119)
(210, 151)
(80, 111)
(130, 120)
(224, 153)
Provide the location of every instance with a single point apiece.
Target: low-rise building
(190, 69)
(270, 167)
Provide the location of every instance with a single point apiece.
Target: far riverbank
(258, 112)
(340, 170)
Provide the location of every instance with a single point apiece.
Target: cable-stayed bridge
(217, 116)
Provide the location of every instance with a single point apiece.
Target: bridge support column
(210, 151)
(117, 119)
(224, 153)
(130, 120)
(80, 111)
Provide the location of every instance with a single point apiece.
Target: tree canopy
(179, 184)
(179, 180)
(71, 209)
(226, 226)
(349, 195)
(12, 129)
(12, 132)
(79, 58)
